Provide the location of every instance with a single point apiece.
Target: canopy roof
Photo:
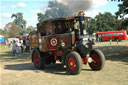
(64, 19)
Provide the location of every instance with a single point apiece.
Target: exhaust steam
(77, 5)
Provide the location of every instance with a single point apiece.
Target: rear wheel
(38, 60)
(98, 59)
(73, 63)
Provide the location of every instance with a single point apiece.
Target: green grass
(3, 46)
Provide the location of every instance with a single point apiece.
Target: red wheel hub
(36, 60)
(96, 59)
(72, 63)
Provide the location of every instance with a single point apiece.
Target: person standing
(98, 39)
(27, 46)
(14, 47)
(117, 40)
(110, 40)
(17, 47)
(22, 47)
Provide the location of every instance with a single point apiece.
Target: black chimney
(81, 21)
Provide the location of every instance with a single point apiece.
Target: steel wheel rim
(36, 60)
(72, 63)
(96, 60)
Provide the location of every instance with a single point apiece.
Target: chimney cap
(81, 13)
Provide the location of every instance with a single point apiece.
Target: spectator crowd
(20, 46)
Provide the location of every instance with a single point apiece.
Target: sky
(30, 8)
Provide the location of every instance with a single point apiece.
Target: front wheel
(98, 59)
(73, 63)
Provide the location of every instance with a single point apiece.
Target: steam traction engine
(64, 39)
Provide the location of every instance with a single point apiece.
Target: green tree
(29, 29)
(19, 20)
(123, 9)
(41, 17)
(92, 27)
(105, 22)
(115, 0)
(12, 30)
(2, 32)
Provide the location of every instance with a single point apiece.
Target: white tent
(11, 39)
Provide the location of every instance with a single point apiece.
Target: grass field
(18, 70)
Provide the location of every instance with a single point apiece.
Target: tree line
(101, 22)
(17, 27)
(109, 22)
